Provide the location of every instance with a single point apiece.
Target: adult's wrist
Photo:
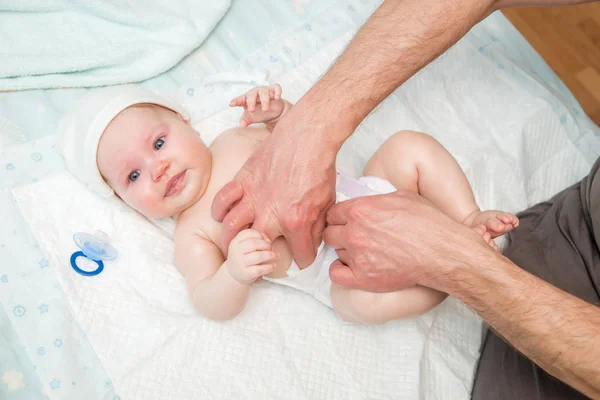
(467, 270)
(328, 118)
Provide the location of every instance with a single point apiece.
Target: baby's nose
(160, 167)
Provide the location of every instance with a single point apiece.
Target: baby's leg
(413, 161)
(368, 308)
(416, 161)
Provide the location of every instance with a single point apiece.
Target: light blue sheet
(78, 43)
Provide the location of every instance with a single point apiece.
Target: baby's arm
(368, 308)
(262, 104)
(219, 288)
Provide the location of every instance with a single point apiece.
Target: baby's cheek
(149, 205)
(142, 201)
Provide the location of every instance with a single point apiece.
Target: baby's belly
(285, 258)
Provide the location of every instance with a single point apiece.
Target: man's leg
(556, 243)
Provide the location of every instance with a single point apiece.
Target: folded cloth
(78, 43)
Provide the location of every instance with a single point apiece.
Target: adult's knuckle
(222, 197)
(357, 210)
(295, 219)
(232, 224)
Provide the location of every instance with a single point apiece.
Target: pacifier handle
(80, 271)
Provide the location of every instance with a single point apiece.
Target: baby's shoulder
(241, 136)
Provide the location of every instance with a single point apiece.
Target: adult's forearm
(556, 330)
(539, 3)
(400, 38)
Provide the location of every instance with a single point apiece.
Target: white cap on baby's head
(79, 130)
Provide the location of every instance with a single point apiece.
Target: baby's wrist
(286, 107)
(230, 268)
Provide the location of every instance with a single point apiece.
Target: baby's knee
(401, 151)
(411, 141)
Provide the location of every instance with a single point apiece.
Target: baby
(141, 147)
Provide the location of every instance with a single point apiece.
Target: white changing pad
(516, 148)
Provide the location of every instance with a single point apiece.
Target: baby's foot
(495, 222)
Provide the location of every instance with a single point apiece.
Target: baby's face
(154, 161)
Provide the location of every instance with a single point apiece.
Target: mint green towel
(83, 43)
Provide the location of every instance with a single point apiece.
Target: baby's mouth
(175, 184)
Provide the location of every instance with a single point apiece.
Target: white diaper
(314, 280)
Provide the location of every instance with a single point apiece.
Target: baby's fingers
(259, 271)
(253, 244)
(246, 119)
(259, 257)
(251, 100)
(264, 98)
(239, 101)
(275, 90)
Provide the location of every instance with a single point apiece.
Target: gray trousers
(555, 241)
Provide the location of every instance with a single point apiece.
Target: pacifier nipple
(95, 246)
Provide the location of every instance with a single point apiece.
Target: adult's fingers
(240, 217)
(302, 246)
(338, 213)
(343, 256)
(267, 226)
(225, 199)
(341, 274)
(333, 236)
(317, 230)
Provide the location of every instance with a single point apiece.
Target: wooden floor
(568, 38)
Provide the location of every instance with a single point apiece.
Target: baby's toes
(495, 225)
(515, 222)
(509, 219)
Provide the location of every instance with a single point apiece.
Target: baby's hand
(251, 256)
(269, 99)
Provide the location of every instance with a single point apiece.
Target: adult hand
(289, 182)
(285, 188)
(394, 241)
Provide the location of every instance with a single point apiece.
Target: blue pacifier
(94, 249)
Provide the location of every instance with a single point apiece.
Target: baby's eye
(134, 175)
(159, 143)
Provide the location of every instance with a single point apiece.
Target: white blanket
(514, 146)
